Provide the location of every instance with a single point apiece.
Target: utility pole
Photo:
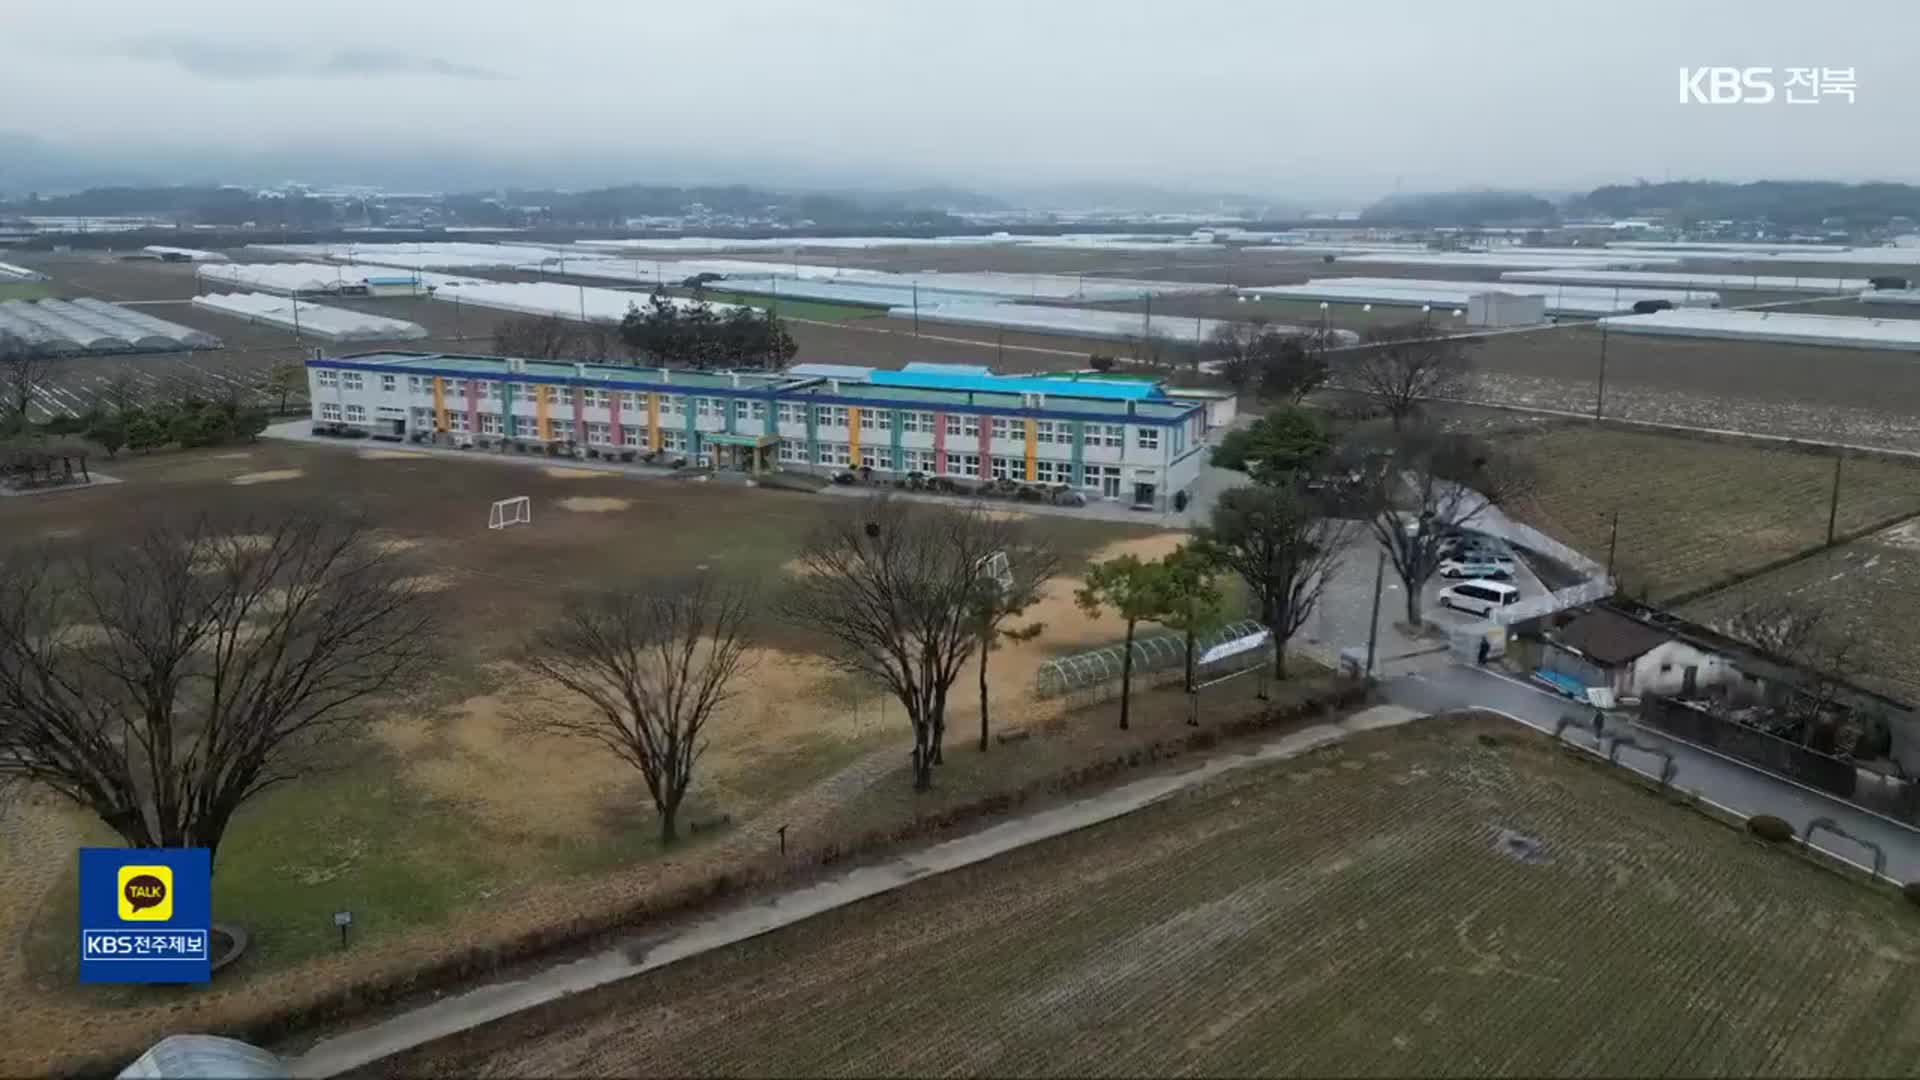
(294, 299)
(1613, 540)
(1600, 395)
(916, 309)
(1833, 504)
(1373, 624)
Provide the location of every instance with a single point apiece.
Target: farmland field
(1869, 587)
(1358, 910)
(447, 824)
(1694, 511)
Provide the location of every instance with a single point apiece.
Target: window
(673, 404)
(916, 423)
(414, 383)
(422, 418)
(389, 382)
(352, 380)
(1007, 468)
(1179, 439)
(597, 435)
(1002, 428)
(705, 407)
(329, 378)
(919, 460)
(874, 458)
(835, 453)
(964, 427)
(875, 420)
(793, 451)
(757, 411)
(456, 421)
(356, 414)
(1109, 435)
(673, 440)
(1052, 472)
(330, 411)
(629, 401)
(830, 416)
(1047, 431)
(791, 414)
(1147, 438)
(490, 391)
(490, 423)
(963, 464)
(630, 436)
(459, 386)
(1103, 477)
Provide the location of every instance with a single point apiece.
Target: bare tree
(1424, 486)
(1823, 653)
(537, 337)
(1406, 364)
(1254, 356)
(655, 661)
(893, 586)
(164, 682)
(23, 370)
(1284, 546)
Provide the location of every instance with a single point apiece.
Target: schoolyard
(448, 824)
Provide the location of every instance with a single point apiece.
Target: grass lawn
(1357, 910)
(24, 290)
(1692, 512)
(447, 823)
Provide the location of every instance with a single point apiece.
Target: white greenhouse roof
(10, 272)
(282, 277)
(445, 255)
(1080, 322)
(1662, 278)
(68, 327)
(1845, 331)
(1561, 300)
(574, 302)
(193, 254)
(315, 320)
(1495, 260)
(1891, 296)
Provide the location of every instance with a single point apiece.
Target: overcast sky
(1321, 100)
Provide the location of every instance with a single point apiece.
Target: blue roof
(1017, 384)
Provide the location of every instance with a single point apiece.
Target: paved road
(1733, 785)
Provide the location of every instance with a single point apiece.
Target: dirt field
(450, 823)
(1871, 587)
(1692, 511)
(1355, 911)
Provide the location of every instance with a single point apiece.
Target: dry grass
(590, 504)
(1693, 512)
(1870, 587)
(269, 476)
(1354, 911)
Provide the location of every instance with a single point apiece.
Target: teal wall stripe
(1079, 454)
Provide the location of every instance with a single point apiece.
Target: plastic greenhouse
(1099, 668)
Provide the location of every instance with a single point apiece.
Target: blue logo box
(146, 915)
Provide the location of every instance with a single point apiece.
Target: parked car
(1479, 597)
(1474, 568)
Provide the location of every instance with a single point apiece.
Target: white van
(1479, 597)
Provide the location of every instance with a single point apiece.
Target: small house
(1602, 647)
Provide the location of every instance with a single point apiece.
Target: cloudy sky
(1317, 100)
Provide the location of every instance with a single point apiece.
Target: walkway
(357, 1049)
(1732, 784)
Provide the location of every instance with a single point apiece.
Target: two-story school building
(1110, 438)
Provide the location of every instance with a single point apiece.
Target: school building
(1110, 438)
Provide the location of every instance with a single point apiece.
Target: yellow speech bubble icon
(146, 893)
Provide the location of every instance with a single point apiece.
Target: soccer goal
(515, 511)
(998, 570)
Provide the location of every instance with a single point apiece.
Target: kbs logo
(146, 893)
(1759, 86)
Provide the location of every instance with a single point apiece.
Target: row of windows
(912, 422)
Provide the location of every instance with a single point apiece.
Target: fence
(1777, 755)
(1152, 653)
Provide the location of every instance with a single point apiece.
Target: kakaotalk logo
(1762, 86)
(146, 893)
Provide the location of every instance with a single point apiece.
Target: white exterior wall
(372, 407)
(1663, 670)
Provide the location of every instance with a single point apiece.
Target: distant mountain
(1461, 209)
(1790, 203)
(1148, 199)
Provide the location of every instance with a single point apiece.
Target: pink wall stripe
(940, 443)
(579, 416)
